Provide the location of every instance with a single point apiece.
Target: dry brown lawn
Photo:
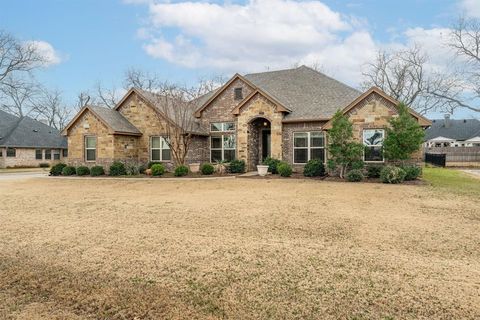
(237, 249)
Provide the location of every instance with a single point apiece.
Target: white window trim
(162, 140)
(223, 125)
(364, 145)
(309, 148)
(222, 148)
(85, 144)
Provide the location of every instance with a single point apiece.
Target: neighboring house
(453, 133)
(25, 142)
(283, 114)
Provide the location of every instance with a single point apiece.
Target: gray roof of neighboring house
(457, 129)
(29, 133)
(309, 94)
(115, 120)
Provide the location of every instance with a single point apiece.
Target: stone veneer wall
(258, 107)
(76, 144)
(25, 157)
(287, 136)
(199, 150)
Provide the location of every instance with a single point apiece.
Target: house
(282, 114)
(25, 142)
(453, 133)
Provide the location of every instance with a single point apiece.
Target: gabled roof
(115, 122)
(29, 133)
(424, 122)
(456, 129)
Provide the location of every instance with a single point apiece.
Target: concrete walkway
(21, 175)
(473, 172)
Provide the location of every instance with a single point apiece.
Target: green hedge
(207, 169)
(56, 170)
(68, 171)
(355, 175)
(272, 164)
(83, 171)
(314, 168)
(157, 169)
(391, 174)
(117, 169)
(237, 166)
(96, 171)
(181, 171)
(284, 169)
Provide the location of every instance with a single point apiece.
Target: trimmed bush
(117, 169)
(56, 170)
(181, 171)
(68, 171)
(412, 172)
(272, 164)
(44, 165)
(284, 169)
(373, 171)
(207, 169)
(142, 168)
(83, 171)
(357, 165)
(237, 166)
(355, 175)
(391, 174)
(96, 171)
(151, 163)
(314, 168)
(157, 169)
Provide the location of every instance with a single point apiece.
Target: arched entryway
(259, 140)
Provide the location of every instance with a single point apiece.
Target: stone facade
(25, 157)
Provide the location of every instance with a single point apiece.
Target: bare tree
(18, 96)
(49, 107)
(107, 97)
(83, 99)
(137, 78)
(177, 105)
(16, 56)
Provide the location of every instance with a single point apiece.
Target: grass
(236, 249)
(452, 180)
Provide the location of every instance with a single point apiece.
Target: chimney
(447, 121)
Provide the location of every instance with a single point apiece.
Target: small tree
(404, 137)
(343, 149)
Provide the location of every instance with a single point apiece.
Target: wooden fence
(458, 156)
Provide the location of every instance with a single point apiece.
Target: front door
(266, 145)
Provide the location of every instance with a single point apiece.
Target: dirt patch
(236, 248)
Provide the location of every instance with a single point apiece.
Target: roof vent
(464, 120)
(35, 130)
(447, 121)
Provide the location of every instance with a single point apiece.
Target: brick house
(25, 142)
(283, 114)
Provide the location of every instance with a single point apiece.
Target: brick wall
(25, 157)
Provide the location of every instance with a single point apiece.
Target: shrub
(357, 165)
(355, 175)
(412, 172)
(142, 168)
(151, 163)
(314, 168)
(117, 169)
(44, 165)
(272, 164)
(237, 166)
(158, 169)
(132, 169)
(373, 171)
(284, 169)
(96, 171)
(56, 170)
(391, 174)
(83, 171)
(181, 171)
(207, 169)
(68, 171)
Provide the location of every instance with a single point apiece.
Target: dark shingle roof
(115, 120)
(29, 133)
(309, 94)
(458, 129)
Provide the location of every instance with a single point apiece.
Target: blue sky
(183, 41)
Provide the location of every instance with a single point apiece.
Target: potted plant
(194, 167)
(262, 170)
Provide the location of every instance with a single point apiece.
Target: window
(65, 153)
(38, 154)
(373, 142)
(11, 152)
(48, 154)
(308, 146)
(238, 93)
(90, 148)
(56, 154)
(159, 149)
(222, 148)
(222, 126)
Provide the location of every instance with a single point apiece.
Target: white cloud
(471, 8)
(272, 34)
(47, 51)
